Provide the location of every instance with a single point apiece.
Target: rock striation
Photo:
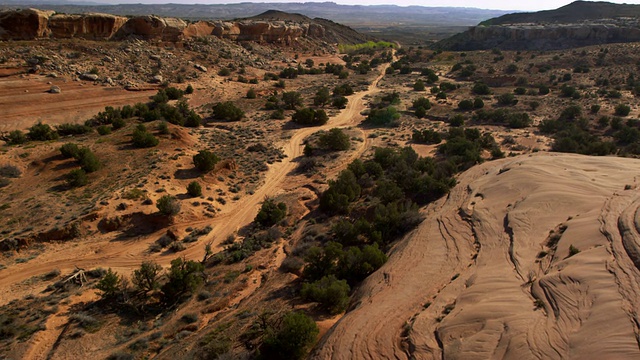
(29, 24)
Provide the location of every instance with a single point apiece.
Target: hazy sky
(483, 4)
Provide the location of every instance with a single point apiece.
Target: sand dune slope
(490, 273)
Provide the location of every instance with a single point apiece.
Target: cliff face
(24, 24)
(32, 24)
(539, 37)
(88, 26)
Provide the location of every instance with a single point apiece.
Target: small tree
(194, 189)
(331, 293)
(69, 150)
(77, 178)
(335, 139)
(271, 213)
(205, 160)
(322, 97)
(227, 111)
(168, 205)
(292, 339)
(339, 102)
(88, 160)
(141, 138)
(183, 276)
(419, 85)
(16, 137)
(145, 279)
(291, 100)
(110, 285)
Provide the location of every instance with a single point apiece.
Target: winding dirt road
(479, 279)
(125, 256)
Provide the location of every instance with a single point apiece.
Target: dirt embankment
(529, 257)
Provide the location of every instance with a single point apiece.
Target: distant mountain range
(352, 15)
(577, 11)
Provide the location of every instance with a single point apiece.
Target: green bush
(109, 285)
(16, 137)
(383, 117)
(42, 132)
(88, 160)
(421, 102)
(227, 111)
(251, 94)
(141, 138)
(339, 102)
(163, 128)
(335, 140)
(168, 205)
(205, 160)
(73, 129)
(322, 97)
(189, 89)
(480, 88)
(332, 294)
(292, 339)
(183, 277)
(291, 100)
(77, 178)
(145, 279)
(419, 86)
(270, 213)
(69, 150)
(622, 110)
(194, 189)
(103, 130)
(308, 116)
(465, 105)
(174, 93)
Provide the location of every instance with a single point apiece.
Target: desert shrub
(88, 160)
(511, 69)
(622, 110)
(141, 138)
(251, 94)
(42, 132)
(339, 102)
(77, 178)
(103, 130)
(543, 89)
(214, 344)
(520, 91)
(456, 120)
(595, 108)
(118, 124)
(183, 277)
(120, 355)
(168, 205)
(292, 264)
(426, 136)
(308, 116)
(507, 99)
(322, 97)
(194, 189)
(331, 293)
(343, 90)
(160, 97)
(419, 85)
(341, 192)
(205, 160)
(146, 278)
(465, 105)
(189, 318)
(480, 88)
(291, 100)
(335, 139)
(478, 103)
(16, 137)
(292, 339)
(174, 93)
(224, 72)
(10, 171)
(192, 119)
(189, 89)
(227, 111)
(383, 117)
(72, 129)
(86, 321)
(109, 284)
(271, 213)
(421, 102)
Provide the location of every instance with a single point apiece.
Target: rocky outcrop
(539, 37)
(152, 28)
(33, 24)
(24, 24)
(88, 26)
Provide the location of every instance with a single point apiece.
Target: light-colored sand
(464, 284)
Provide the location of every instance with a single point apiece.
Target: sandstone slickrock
(89, 77)
(490, 273)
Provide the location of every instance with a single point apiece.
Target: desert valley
(279, 185)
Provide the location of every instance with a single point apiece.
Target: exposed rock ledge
(29, 24)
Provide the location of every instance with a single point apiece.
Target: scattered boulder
(55, 89)
(89, 77)
(156, 79)
(200, 67)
